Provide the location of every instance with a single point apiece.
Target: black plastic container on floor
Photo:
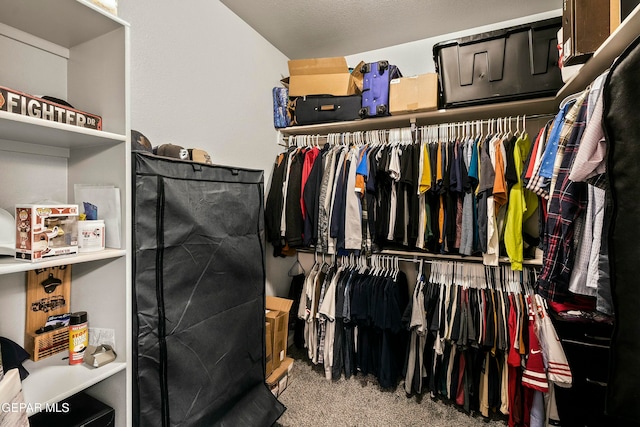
(504, 65)
(76, 411)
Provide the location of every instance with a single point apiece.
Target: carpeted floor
(312, 400)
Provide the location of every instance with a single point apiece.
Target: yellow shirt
(522, 204)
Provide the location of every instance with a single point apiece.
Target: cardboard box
(321, 76)
(268, 353)
(585, 25)
(45, 231)
(277, 314)
(413, 94)
(619, 10)
(279, 379)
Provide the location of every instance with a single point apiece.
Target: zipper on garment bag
(164, 389)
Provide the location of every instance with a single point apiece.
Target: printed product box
(45, 231)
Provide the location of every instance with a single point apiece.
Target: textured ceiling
(323, 28)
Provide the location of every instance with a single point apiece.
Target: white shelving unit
(73, 50)
(56, 370)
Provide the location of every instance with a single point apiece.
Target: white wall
(417, 57)
(201, 77)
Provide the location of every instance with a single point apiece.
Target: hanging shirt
(353, 208)
(500, 197)
(468, 206)
(566, 133)
(324, 201)
(285, 187)
(274, 204)
(531, 159)
(585, 273)
(423, 186)
(567, 203)
(328, 310)
(549, 155)
(311, 197)
(309, 159)
(522, 204)
(490, 257)
(394, 173)
(334, 224)
(534, 181)
(590, 158)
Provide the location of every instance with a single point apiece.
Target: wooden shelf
(53, 379)
(9, 265)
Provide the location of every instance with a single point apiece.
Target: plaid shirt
(568, 201)
(543, 182)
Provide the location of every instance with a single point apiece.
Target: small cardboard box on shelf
(322, 76)
(413, 94)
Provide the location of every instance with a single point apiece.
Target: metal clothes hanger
(570, 98)
(296, 269)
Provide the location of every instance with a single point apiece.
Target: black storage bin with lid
(510, 64)
(79, 410)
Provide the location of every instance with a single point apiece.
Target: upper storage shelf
(601, 61)
(71, 50)
(51, 20)
(529, 107)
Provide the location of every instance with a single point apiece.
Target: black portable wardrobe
(198, 285)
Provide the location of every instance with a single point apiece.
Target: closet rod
(482, 122)
(462, 261)
(409, 256)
